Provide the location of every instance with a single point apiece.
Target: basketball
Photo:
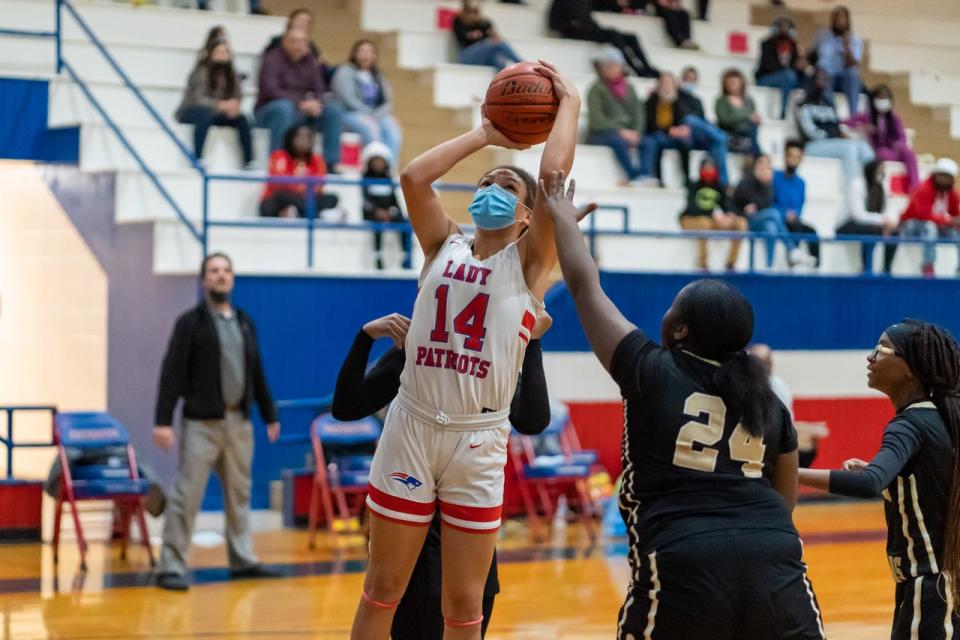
(521, 103)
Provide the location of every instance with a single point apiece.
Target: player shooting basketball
(448, 428)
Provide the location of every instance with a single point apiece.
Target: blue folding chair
(543, 463)
(119, 482)
(343, 473)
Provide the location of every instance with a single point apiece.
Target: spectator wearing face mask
(212, 98)
(737, 114)
(614, 111)
(790, 195)
(838, 51)
(710, 209)
(380, 203)
(819, 126)
(753, 198)
(933, 212)
(704, 135)
(781, 64)
(884, 129)
(864, 214)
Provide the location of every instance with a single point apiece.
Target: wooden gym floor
(559, 590)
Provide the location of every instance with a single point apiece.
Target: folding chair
(541, 466)
(342, 470)
(119, 482)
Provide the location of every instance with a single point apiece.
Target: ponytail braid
(934, 357)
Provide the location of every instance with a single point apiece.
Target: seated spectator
(864, 214)
(737, 114)
(479, 43)
(615, 111)
(709, 209)
(781, 65)
(676, 22)
(790, 194)
(704, 135)
(819, 127)
(212, 98)
(838, 52)
(572, 19)
(933, 212)
(295, 159)
(380, 203)
(292, 91)
(366, 98)
(753, 199)
(884, 129)
(674, 121)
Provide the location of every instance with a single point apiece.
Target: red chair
(343, 476)
(546, 466)
(121, 483)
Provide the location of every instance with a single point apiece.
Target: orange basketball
(521, 104)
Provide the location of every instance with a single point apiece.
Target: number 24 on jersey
(743, 447)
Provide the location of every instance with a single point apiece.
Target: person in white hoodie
(863, 214)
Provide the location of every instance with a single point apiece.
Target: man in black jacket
(213, 363)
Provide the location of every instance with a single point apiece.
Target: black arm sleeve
(173, 374)
(261, 390)
(359, 394)
(530, 408)
(900, 442)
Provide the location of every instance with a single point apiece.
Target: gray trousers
(225, 446)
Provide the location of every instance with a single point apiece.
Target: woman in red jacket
(933, 212)
(296, 158)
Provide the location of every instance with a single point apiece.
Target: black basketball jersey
(914, 470)
(689, 467)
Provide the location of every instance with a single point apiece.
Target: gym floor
(562, 589)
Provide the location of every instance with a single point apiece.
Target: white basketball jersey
(471, 324)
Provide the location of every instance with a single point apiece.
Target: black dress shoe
(256, 571)
(173, 582)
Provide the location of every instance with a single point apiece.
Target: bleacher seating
(156, 47)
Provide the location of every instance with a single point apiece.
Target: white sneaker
(644, 181)
(800, 259)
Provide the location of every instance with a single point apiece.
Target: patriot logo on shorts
(406, 479)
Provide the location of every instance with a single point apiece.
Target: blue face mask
(493, 208)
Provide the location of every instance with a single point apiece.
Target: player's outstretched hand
(393, 326)
(492, 135)
(559, 203)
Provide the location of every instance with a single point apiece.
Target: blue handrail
(194, 162)
(129, 147)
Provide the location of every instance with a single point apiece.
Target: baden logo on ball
(521, 103)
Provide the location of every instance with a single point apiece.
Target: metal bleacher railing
(311, 222)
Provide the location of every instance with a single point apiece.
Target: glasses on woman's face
(885, 350)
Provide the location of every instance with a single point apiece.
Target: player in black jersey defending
(917, 365)
(709, 462)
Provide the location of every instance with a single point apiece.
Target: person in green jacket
(615, 113)
(737, 114)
